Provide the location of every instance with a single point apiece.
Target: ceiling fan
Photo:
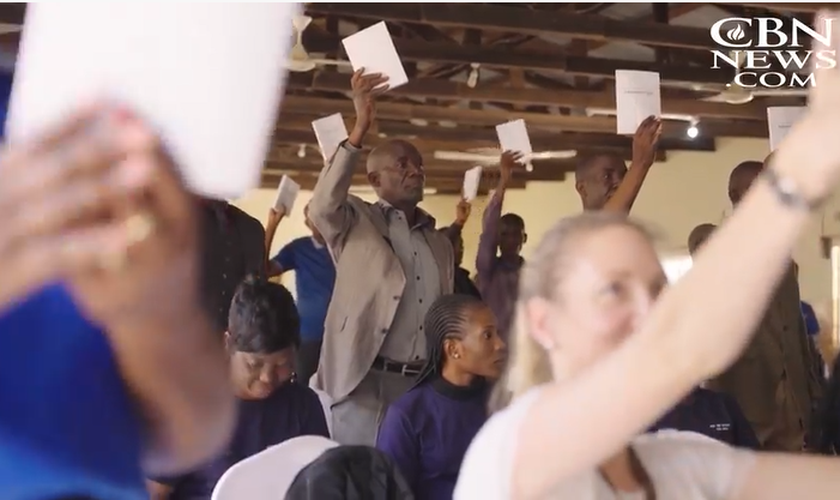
(736, 94)
(299, 59)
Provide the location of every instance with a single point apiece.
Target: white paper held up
(472, 179)
(212, 90)
(780, 119)
(637, 96)
(330, 132)
(374, 50)
(513, 136)
(287, 193)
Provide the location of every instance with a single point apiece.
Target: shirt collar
(424, 219)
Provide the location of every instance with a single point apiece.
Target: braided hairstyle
(445, 319)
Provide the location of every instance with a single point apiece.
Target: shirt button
(396, 297)
(421, 301)
(224, 275)
(415, 253)
(383, 331)
(421, 327)
(418, 278)
(416, 357)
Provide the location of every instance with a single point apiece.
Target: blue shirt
(290, 411)
(427, 431)
(315, 278)
(713, 414)
(67, 423)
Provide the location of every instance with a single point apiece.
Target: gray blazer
(369, 278)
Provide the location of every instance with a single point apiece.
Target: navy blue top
(427, 432)
(812, 326)
(712, 414)
(314, 279)
(292, 410)
(67, 424)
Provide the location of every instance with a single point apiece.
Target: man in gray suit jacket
(391, 264)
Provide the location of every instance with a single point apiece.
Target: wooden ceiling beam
(520, 20)
(427, 147)
(487, 135)
(557, 141)
(446, 89)
(500, 57)
(790, 7)
(543, 170)
(398, 111)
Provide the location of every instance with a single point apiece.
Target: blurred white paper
(780, 119)
(373, 49)
(330, 132)
(287, 193)
(636, 98)
(513, 136)
(472, 178)
(207, 76)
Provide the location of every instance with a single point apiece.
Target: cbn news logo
(754, 46)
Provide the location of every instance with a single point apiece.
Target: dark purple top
(497, 280)
(292, 410)
(712, 414)
(427, 432)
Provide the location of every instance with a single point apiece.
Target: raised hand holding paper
(513, 136)
(287, 193)
(780, 119)
(330, 132)
(208, 76)
(636, 98)
(373, 49)
(472, 179)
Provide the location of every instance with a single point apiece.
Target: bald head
(741, 179)
(698, 236)
(395, 171)
(389, 153)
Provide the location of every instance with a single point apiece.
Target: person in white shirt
(599, 354)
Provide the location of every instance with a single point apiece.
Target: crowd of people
(149, 352)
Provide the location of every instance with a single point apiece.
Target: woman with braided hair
(428, 430)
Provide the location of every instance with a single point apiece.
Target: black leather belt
(404, 369)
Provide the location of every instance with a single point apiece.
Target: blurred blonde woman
(599, 354)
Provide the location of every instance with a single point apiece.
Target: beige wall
(688, 189)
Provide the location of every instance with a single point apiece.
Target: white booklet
(472, 179)
(287, 193)
(637, 96)
(374, 50)
(513, 136)
(780, 119)
(330, 132)
(207, 76)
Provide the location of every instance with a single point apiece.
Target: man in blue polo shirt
(314, 271)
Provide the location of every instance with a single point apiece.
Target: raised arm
(777, 476)
(329, 209)
(488, 241)
(454, 230)
(573, 426)
(644, 152)
(275, 216)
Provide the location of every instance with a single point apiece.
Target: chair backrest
(268, 474)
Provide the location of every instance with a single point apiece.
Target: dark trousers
(307, 360)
